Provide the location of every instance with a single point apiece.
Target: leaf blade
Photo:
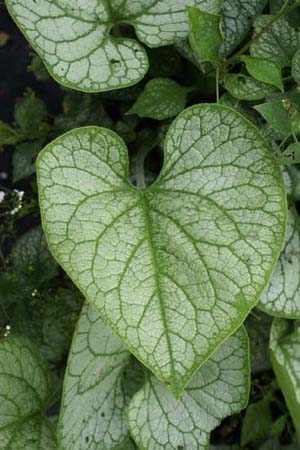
(92, 411)
(285, 357)
(162, 98)
(157, 421)
(205, 34)
(174, 258)
(26, 387)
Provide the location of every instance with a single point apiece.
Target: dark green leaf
(257, 422)
(264, 70)
(291, 154)
(205, 34)
(8, 136)
(30, 113)
(161, 99)
(277, 116)
(24, 157)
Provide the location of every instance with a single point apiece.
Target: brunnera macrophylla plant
(171, 268)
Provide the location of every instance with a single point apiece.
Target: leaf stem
(217, 85)
(140, 166)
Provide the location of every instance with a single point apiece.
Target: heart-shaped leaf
(76, 42)
(174, 268)
(220, 388)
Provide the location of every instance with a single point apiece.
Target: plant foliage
(150, 231)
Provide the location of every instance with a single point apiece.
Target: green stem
(140, 166)
(295, 137)
(217, 85)
(139, 172)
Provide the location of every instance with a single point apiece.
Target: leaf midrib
(148, 227)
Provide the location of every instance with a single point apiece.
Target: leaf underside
(174, 268)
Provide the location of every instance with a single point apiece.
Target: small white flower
(2, 195)
(3, 176)
(20, 194)
(15, 210)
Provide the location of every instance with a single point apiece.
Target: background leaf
(93, 405)
(277, 116)
(161, 99)
(278, 44)
(282, 297)
(285, 355)
(205, 34)
(264, 70)
(26, 389)
(243, 87)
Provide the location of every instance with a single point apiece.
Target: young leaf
(92, 412)
(205, 34)
(285, 356)
(8, 136)
(282, 298)
(174, 268)
(243, 87)
(236, 20)
(31, 258)
(161, 99)
(76, 42)
(264, 70)
(278, 44)
(291, 154)
(220, 388)
(30, 112)
(81, 109)
(296, 67)
(276, 116)
(49, 321)
(25, 387)
(24, 158)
